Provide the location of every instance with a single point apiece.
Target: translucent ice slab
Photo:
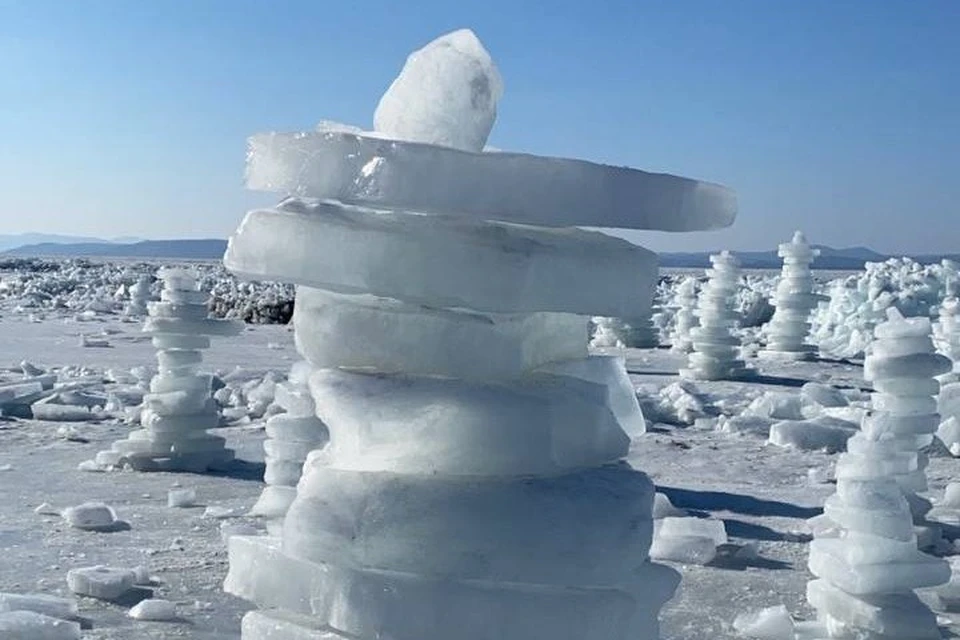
(512, 187)
(443, 261)
(380, 334)
(533, 425)
(500, 529)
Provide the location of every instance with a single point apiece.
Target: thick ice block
(539, 424)
(385, 335)
(899, 616)
(592, 527)
(445, 95)
(443, 261)
(609, 371)
(365, 603)
(512, 187)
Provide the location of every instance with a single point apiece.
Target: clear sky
(838, 117)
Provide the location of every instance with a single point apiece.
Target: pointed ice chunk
(446, 95)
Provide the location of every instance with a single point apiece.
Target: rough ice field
(706, 448)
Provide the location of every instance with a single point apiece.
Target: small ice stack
(902, 365)
(868, 565)
(139, 297)
(948, 331)
(716, 351)
(473, 486)
(179, 409)
(290, 437)
(636, 333)
(793, 300)
(686, 317)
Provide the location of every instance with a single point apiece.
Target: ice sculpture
(868, 567)
(290, 437)
(686, 318)
(903, 366)
(139, 296)
(716, 351)
(473, 486)
(636, 333)
(948, 331)
(179, 409)
(794, 301)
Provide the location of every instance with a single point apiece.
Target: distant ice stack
(947, 331)
(473, 486)
(139, 297)
(179, 409)
(686, 317)
(291, 436)
(794, 301)
(716, 350)
(633, 333)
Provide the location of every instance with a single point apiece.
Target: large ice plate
(443, 261)
(512, 187)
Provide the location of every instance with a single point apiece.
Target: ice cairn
(473, 486)
(686, 318)
(716, 351)
(637, 333)
(948, 331)
(139, 297)
(290, 437)
(794, 301)
(179, 409)
(866, 557)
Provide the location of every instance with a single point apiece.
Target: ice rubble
(844, 327)
(85, 291)
(687, 540)
(446, 466)
(794, 301)
(179, 409)
(716, 351)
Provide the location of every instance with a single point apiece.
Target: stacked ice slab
(179, 409)
(686, 317)
(472, 487)
(902, 365)
(716, 351)
(139, 296)
(638, 333)
(867, 562)
(948, 330)
(290, 437)
(794, 300)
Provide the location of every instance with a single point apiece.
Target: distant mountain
(190, 249)
(847, 259)
(13, 240)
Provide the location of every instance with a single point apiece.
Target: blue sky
(838, 117)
